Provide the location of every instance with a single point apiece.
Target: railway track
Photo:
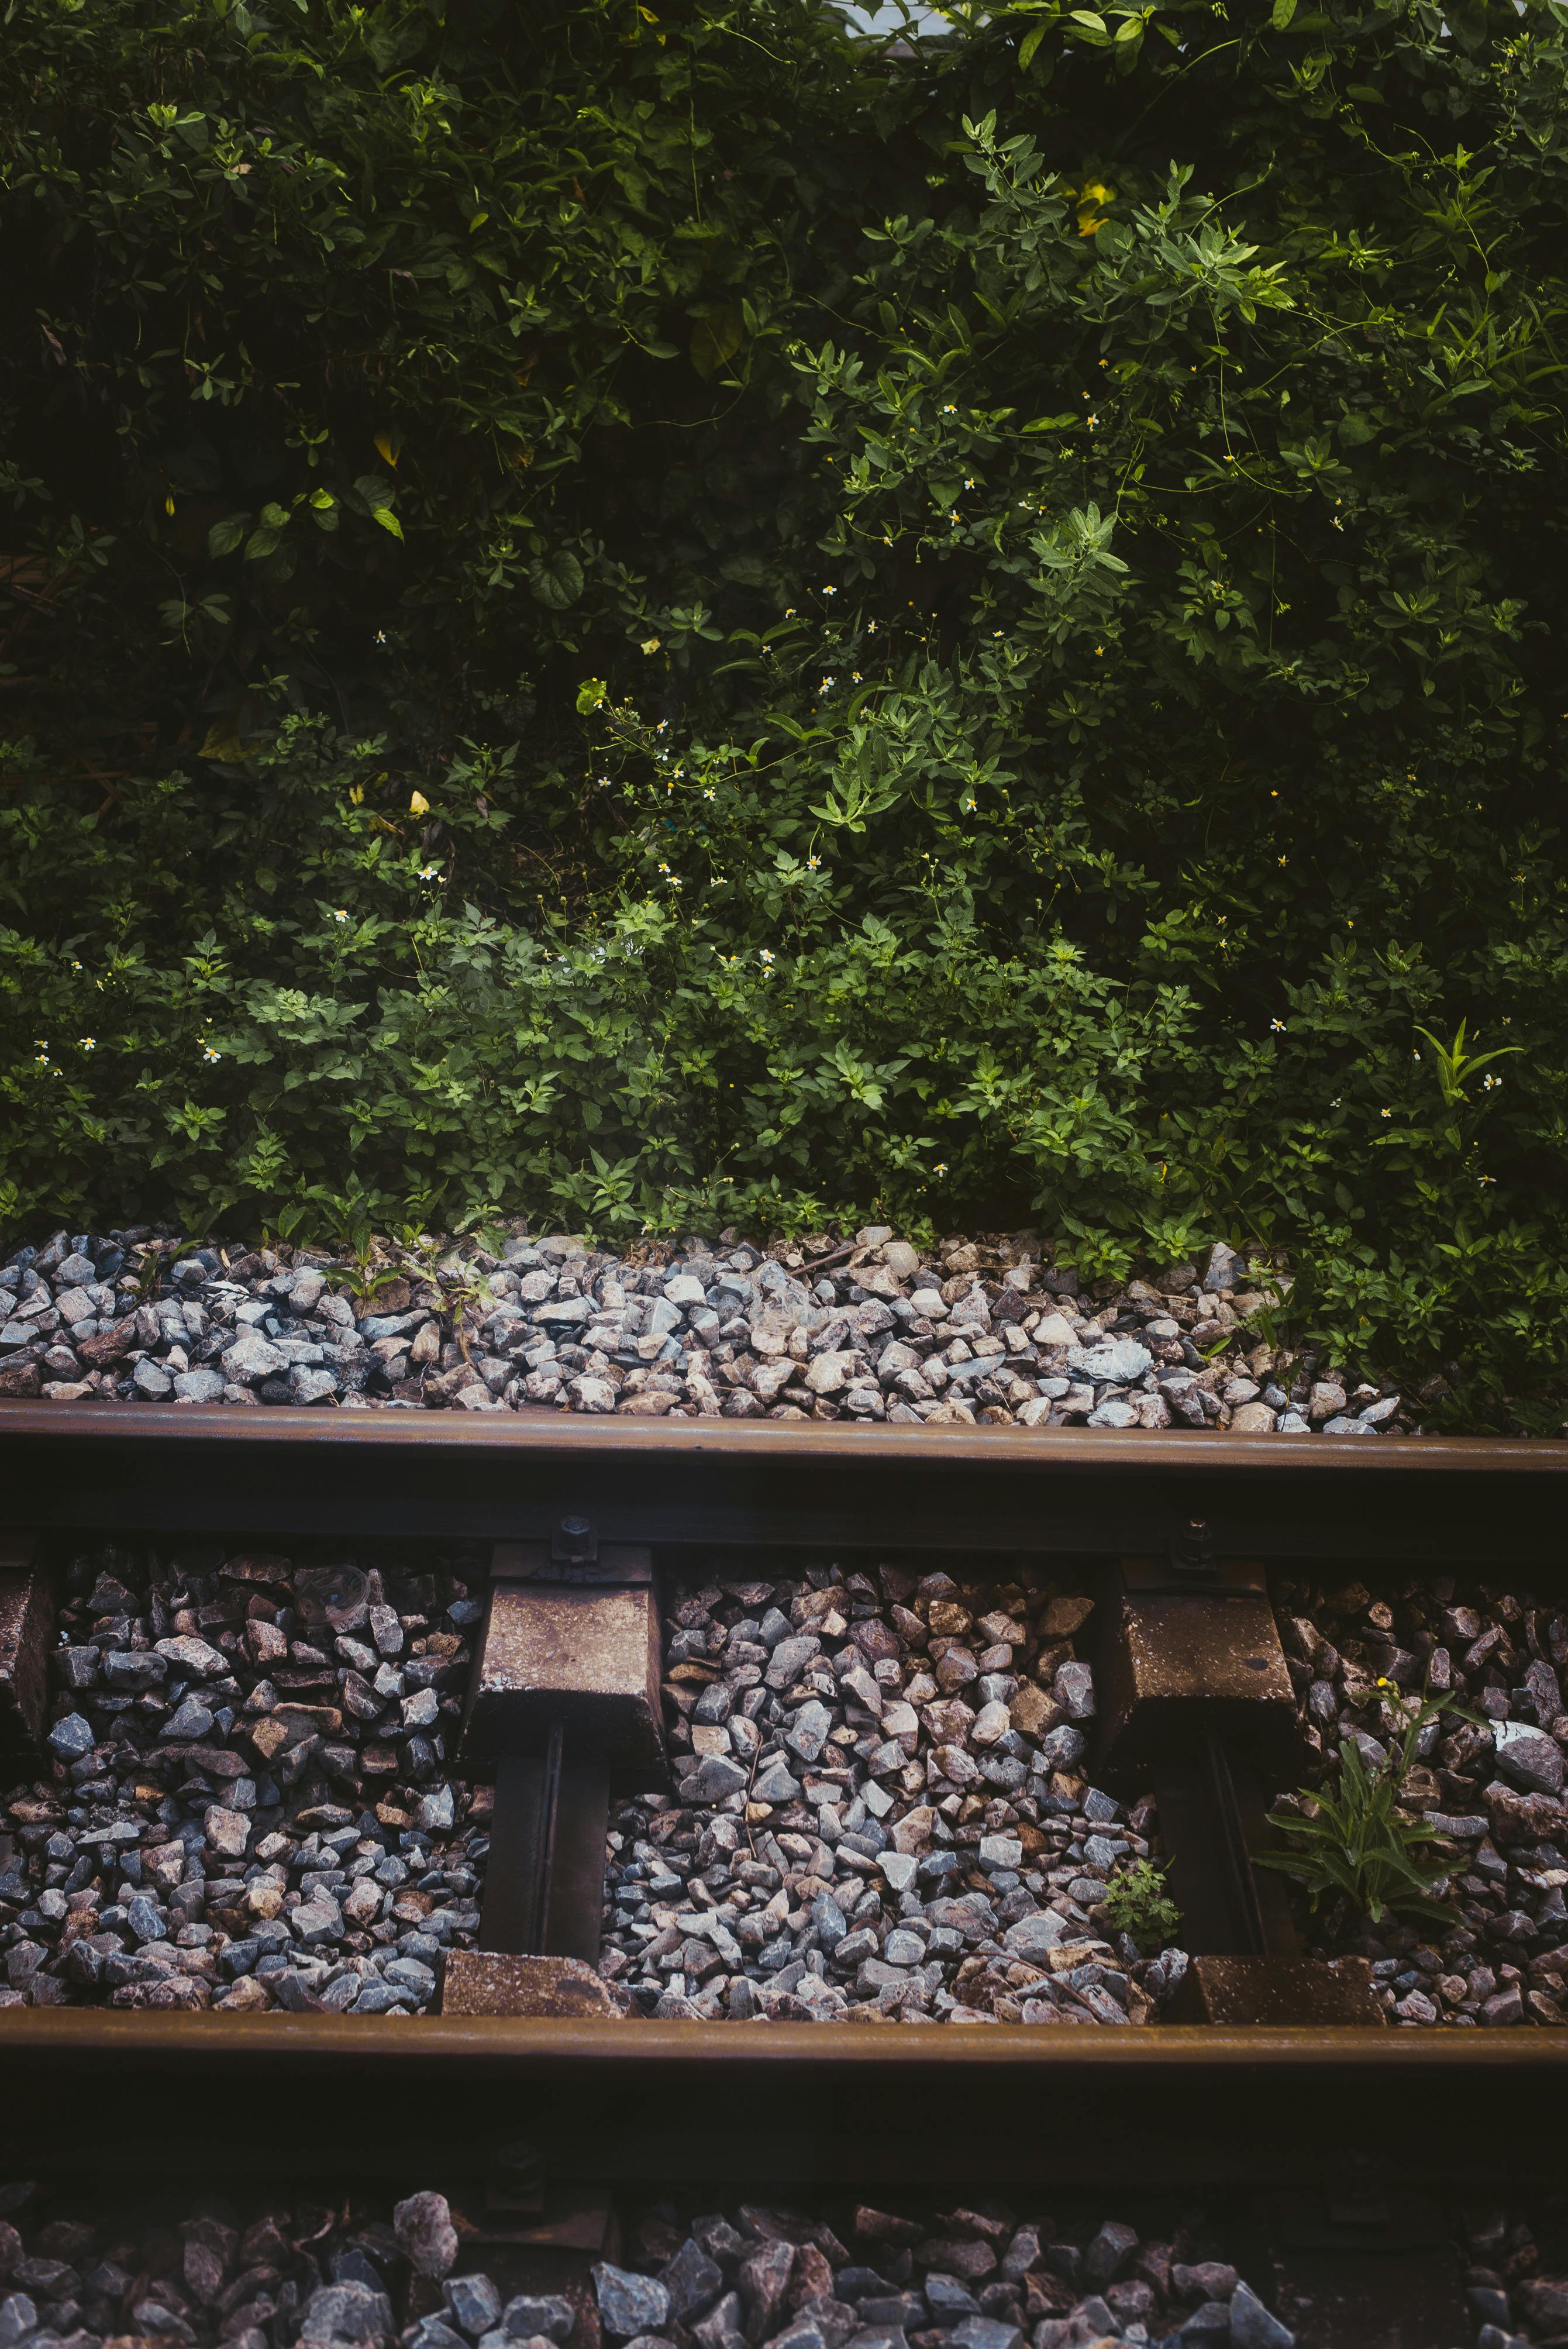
(1290, 2082)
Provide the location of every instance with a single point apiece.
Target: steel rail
(1432, 1501)
(623, 2102)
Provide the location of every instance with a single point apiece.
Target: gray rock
(1073, 1689)
(346, 2311)
(791, 1658)
(1117, 1361)
(1251, 2324)
(474, 2303)
(250, 1359)
(425, 2233)
(1528, 1757)
(949, 2300)
(562, 1313)
(692, 2281)
(18, 2317)
(629, 2303)
(135, 1669)
(538, 2316)
(984, 2332)
(1033, 1937)
(71, 1737)
(198, 1386)
(714, 1777)
(1110, 2252)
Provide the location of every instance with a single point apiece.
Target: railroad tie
(565, 1694)
(1198, 1699)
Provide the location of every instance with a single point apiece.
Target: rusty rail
(1396, 1500)
(790, 2104)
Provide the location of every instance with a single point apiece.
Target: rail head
(1432, 1501)
(647, 2050)
(572, 1437)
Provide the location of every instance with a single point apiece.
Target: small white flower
(428, 872)
(1335, 1103)
(1385, 1112)
(339, 915)
(940, 1167)
(209, 1054)
(1277, 1026)
(88, 1043)
(766, 956)
(710, 793)
(830, 591)
(1488, 1083)
(813, 863)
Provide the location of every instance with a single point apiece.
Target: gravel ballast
(871, 1330)
(269, 2274)
(880, 1811)
(1494, 1790)
(249, 1803)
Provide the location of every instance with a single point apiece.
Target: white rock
(228, 1832)
(1053, 1330)
(899, 1867)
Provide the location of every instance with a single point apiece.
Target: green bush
(638, 613)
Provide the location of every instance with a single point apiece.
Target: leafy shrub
(648, 616)
(1355, 1847)
(1137, 1903)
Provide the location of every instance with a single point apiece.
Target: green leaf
(1282, 11)
(716, 337)
(557, 579)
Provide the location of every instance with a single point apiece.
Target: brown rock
(1034, 1711)
(20, 1379)
(1064, 1617)
(110, 1345)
